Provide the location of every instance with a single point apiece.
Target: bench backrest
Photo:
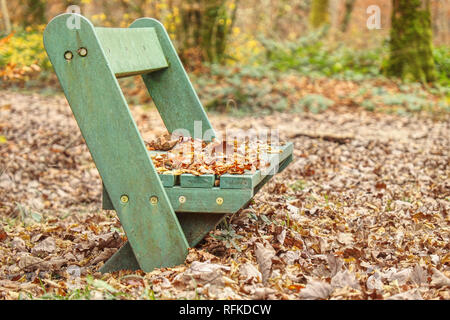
(132, 51)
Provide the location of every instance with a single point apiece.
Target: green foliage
(441, 57)
(315, 103)
(242, 90)
(411, 102)
(24, 48)
(299, 185)
(313, 56)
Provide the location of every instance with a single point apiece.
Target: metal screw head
(124, 198)
(82, 52)
(68, 55)
(182, 199)
(219, 201)
(154, 200)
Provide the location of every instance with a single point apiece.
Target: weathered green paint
(205, 200)
(131, 51)
(195, 226)
(168, 180)
(116, 146)
(193, 181)
(240, 181)
(172, 91)
(199, 199)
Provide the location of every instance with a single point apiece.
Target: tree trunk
(318, 15)
(205, 26)
(35, 12)
(349, 4)
(411, 49)
(5, 15)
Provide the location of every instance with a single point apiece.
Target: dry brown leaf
(250, 273)
(44, 247)
(345, 279)
(413, 294)
(438, 279)
(316, 290)
(3, 234)
(264, 254)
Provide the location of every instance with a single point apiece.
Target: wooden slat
(205, 200)
(238, 181)
(193, 181)
(131, 51)
(167, 180)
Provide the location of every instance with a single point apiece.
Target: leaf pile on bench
(194, 156)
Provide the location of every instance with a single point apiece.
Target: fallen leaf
(407, 295)
(374, 282)
(250, 273)
(438, 279)
(418, 275)
(316, 290)
(345, 279)
(264, 255)
(3, 235)
(44, 247)
(345, 238)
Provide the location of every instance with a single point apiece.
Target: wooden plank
(206, 200)
(200, 200)
(172, 91)
(192, 181)
(251, 180)
(168, 180)
(131, 51)
(116, 146)
(239, 181)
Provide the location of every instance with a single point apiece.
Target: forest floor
(361, 213)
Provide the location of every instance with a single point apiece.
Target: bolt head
(82, 52)
(219, 201)
(182, 199)
(154, 200)
(124, 198)
(68, 55)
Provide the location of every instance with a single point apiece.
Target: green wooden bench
(162, 215)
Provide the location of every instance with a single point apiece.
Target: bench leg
(195, 226)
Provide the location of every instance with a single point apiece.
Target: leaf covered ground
(361, 213)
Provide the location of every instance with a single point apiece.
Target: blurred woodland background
(266, 55)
